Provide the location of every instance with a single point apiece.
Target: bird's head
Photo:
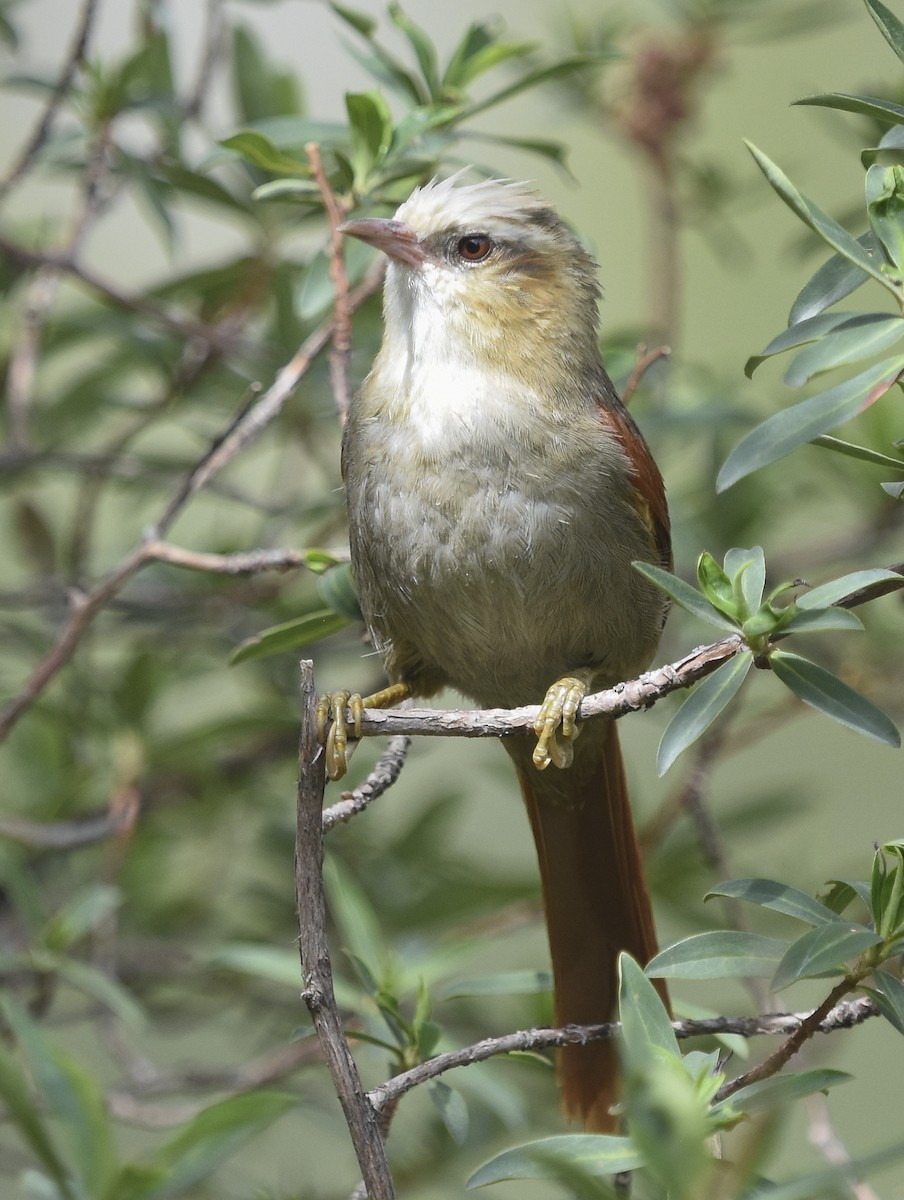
(485, 270)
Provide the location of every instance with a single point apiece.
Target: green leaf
(868, 106)
(837, 589)
(645, 1023)
(424, 50)
(337, 590)
(361, 22)
(849, 342)
(682, 593)
(834, 280)
(861, 452)
(717, 587)
(264, 962)
(452, 1109)
(505, 983)
(821, 223)
(279, 639)
(213, 1136)
(811, 329)
(81, 915)
(597, 1153)
(106, 990)
(831, 1183)
(75, 1100)
(261, 90)
(558, 70)
(826, 692)
(478, 52)
(885, 206)
(829, 620)
(718, 954)
(768, 893)
(33, 1126)
(370, 123)
(793, 427)
(747, 570)
(701, 708)
(888, 996)
(782, 1089)
(258, 150)
(891, 27)
(823, 950)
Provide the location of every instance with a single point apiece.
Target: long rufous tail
(596, 901)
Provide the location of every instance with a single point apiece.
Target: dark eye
(475, 247)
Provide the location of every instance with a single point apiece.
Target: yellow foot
(555, 725)
(334, 707)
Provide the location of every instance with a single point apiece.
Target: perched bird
(498, 492)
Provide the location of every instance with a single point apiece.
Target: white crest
(445, 204)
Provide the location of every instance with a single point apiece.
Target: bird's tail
(596, 901)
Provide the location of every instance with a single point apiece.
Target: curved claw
(555, 725)
(333, 705)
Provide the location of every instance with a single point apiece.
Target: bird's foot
(333, 712)
(555, 725)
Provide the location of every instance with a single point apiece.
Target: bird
(498, 493)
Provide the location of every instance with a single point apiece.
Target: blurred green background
(438, 881)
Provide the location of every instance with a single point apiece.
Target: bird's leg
(333, 706)
(555, 725)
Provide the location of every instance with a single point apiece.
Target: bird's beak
(392, 237)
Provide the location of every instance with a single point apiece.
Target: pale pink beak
(392, 237)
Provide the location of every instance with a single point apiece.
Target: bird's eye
(475, 247)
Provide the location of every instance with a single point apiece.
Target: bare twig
(237, 436)
(42, 131)
(342, 313)
(212, 42)
(360, 1115)
(84, 830)
(805, 1030)
(843, 1016)
(382, 777)
(645, 360)
(242, 563)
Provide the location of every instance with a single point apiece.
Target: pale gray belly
(499, 592)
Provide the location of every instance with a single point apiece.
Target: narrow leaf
(824, 950)
(644, 1020)
(799, 334)
(595, 1153)
(821, 223)
(862, 452)
(701, 708)
(279, 639)
(837, 589)
(848, 343)
(828, 620)
(834, 280)
(452, 1109)
(781, 1089)
(25, 1114)
(793, 427)
(826, 692)
(506, 983)
(892, 29)
(888, 996)
(719, 954)
(868, 106)
(684, 594)
(747, 569)
(781, 897)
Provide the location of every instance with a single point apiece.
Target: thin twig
(381, 778)
(360, 1115)
(645, 360)
(42, 131)
(790, 1046)
(84, 830)
(242, 563)
(212, 42)
(225, 448)
(843, 1016)
(342, 313)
